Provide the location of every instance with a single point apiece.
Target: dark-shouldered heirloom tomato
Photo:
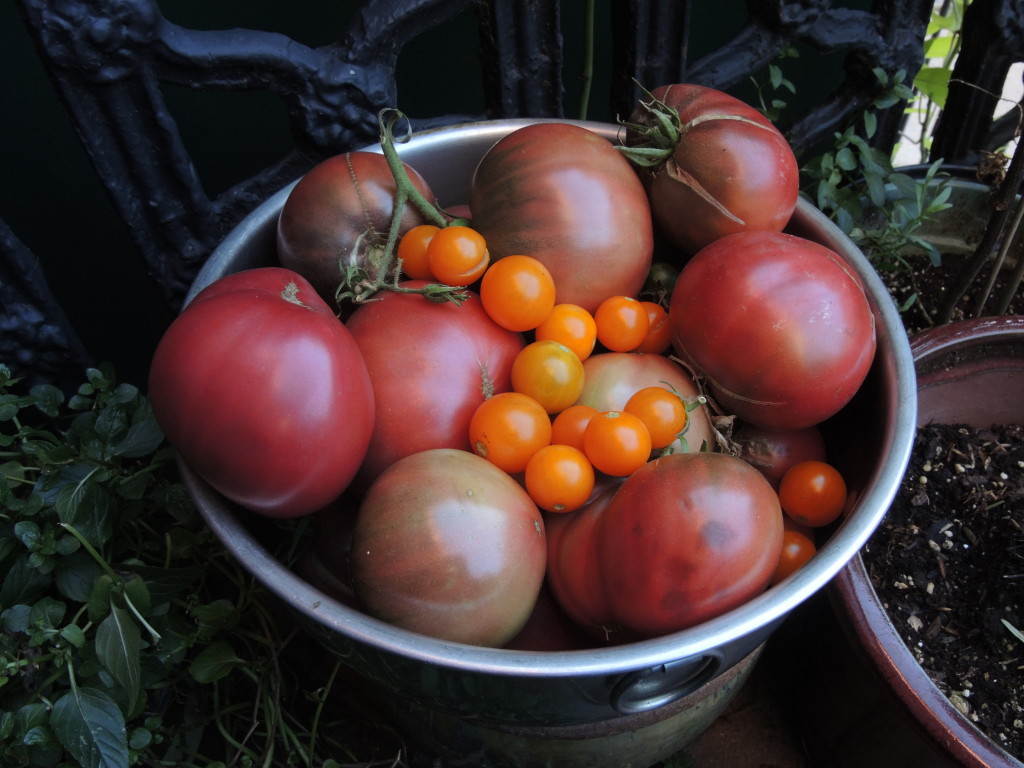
(448, 545)
(331, 207)
(726, 168)
(565, 196)
(264, 393)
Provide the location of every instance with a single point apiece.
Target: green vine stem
(360, 284)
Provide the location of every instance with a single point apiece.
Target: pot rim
(869, 620)
(755, 615)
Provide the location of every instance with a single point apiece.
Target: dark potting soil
(922, 287)
(948, 564)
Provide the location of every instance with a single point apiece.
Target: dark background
(54, 202)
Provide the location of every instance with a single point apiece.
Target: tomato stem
(406, 190)
(359, 284)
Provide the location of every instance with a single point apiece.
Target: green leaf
(142, 439)
(15, 618)
(933, 82)
(89, 508)
(117, 647)
(47, 398)
(73, 634)
(214, 662)
(22, 583)
(91, 727)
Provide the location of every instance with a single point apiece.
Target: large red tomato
(431, 365)
(565, 196)
(331, 207)
(263, 392)
(686, 538)
(729, 168)
(448, 545)
(779, 325)
(611, 378)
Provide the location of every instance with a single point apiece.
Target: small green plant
(128, 636)
(880, 209)
(770, 84)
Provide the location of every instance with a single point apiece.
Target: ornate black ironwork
(108, 60)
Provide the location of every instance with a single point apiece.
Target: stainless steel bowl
(870, 440)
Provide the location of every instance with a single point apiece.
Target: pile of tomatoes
(509, 421)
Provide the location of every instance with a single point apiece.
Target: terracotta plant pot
(878, 706)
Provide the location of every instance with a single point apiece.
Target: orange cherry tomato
(550, 373)
(458, 255)
(797, 549)
(518, 292)
(412, 250)
(812, 493)
(569, 425)
(572, 325)
(617, 443)
(507, 429)
(659, 330)
(559, 478)
(661, 410)
(622, 323)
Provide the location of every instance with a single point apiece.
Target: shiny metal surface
(870, 440)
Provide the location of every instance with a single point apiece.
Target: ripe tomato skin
(773, 451)
(662, 411)
(507, 429)
(659, 330)
(448, 545)
(573, 567)
(622, 323)
(617, 443)
(797, 550)
(570, 325)
(749, 169)
(333, 204)
(238, 359)
(793, 335)
(559, 478)
(550, 373)
(611, 378)
(412, 250)
(687, 537)
(457, 255)
(813, 493)
(518, 292)
(430, 365)
(565, 196)
(568, 426)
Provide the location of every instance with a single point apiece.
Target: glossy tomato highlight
(264, 393)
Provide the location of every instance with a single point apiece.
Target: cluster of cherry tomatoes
(539, 433)
(538, 429)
